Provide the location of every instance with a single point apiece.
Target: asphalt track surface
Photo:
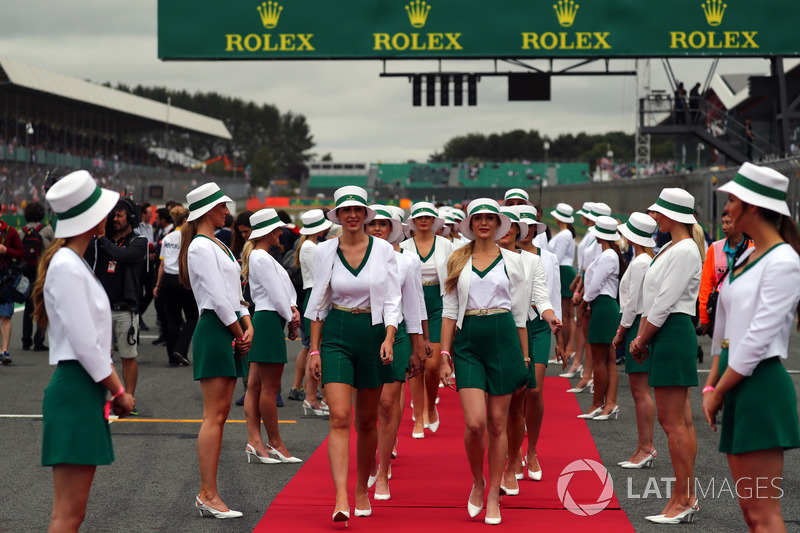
(152, 484)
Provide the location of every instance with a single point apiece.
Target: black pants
(180, 314)
(27, 321)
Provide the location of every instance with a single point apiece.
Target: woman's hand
(244, 342)
(638, 350)
(560, 356)
(712, 402)
(555, 325)
(428, 349)
(446, 373)
(619, 339)
(387, 352)
(314, 365)
(577, 299)
(295, 322)
(123, 405)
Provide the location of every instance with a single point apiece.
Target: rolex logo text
(714, 11)
(566, 11)
(269, 14)
(417, 11)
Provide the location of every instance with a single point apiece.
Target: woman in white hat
(540, 307)
(275, 305)
(757, 307)
(408, 344)
(563, 245)
(356, 295)
(315, 228)
(433, 251)
(210, 270)
(487, 300)
(600, 294)
(74, 307)
(539, 342)
(638, 231)
(666, 335)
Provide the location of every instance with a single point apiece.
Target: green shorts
(760, 412)
(433, 306)
(632, 366)
(212, 351)
(350, 351)
(604, 320)
(539, 341)
(487, 355)
(268, 345)
(673, 353)
(402, 353)
(567, 275)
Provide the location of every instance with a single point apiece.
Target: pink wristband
(315, 352)
(119, 392)
(709, 388)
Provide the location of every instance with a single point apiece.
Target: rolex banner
(375, 29)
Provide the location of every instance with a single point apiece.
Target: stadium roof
(91, 93)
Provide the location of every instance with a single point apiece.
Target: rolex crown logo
(417, 12)
(714, 10)
(270, 13)
(566, 11)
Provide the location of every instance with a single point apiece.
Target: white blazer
(384, 289)
(270, 286)
(411, 288)
(454, 303)
(441, 254)
(537, 286)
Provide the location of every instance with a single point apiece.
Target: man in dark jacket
(11, 254)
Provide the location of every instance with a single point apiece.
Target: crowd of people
(471, 297)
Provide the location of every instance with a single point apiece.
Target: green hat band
(348, 197)
(758, 188)
(604, 231)
(319, 222)
(486, 207)
(633, 229)
(262, 225)
(563, 214)
(675, 207)
(383, 213)
(420, 212)
(516, 195)
(82, 207)
(205, 201)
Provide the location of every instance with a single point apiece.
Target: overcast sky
(353, 113)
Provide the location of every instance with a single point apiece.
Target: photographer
(116, 259)
(10, 254)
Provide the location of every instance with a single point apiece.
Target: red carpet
(431, 481)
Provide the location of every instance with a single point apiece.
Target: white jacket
(441, 254)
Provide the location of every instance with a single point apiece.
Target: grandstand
(325, 177)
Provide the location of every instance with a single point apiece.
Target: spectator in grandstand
(11, 255)
(35, 237)
(116, 259)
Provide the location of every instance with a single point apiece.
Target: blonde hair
(455, 264)
(37, 296)
(699, 240)
(303, 238)
(179, 215)
(188, 232)
(246, 251)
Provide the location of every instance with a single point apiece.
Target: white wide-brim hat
(203, 199)
(347, 196)
(459, 215)
(79, 204)
(382, 212)
(605, 228)
(425, 209)
(397, 212)
(512, 212)
(527, 214)
(263, 222)
(484, 205)
(639, 229)
(760, 186)
(599, 209)
(563, 213)
(675, 204)
(314, 221)
(586, 211)
(516, 194)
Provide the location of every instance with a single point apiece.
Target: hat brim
(604, 236)
(565, 220)
(673, 215)
(466, 231)
(541, 227)
(630, 236)
(257, 234)
(407, 230)
(753, 198)
(587, 216)
(445, 231)
(397, 229)
(200, 211)
(90, 218)
(437, 223)
(527, 202)
(326, 224)
(333, 215)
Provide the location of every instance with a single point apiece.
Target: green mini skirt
(760, 412)
(212, 349)
(433, 306)
(75, 430)
(632, 366)
(567, 275)
(487, 355)
(673, 353)
(269, 345)
(402, 353)
(604, 320)
(351, 351)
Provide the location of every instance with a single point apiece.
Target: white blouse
(170, 249)
(563, 245)
(591, 252)
(552, 275)
(79, 315)
(492, 291)
(756, 313)
(672, 283)
(306, 259)
(534, 272)
(347, 288)
(540, 241)
(435, 267)
(215, 279)
(587, 241)
(631, 296)
(270, 286)
(602, 277)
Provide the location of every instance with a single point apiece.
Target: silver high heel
(647, 462)
(577, 390)
(252, 454)
(591, 414)
(307, 407)
(614, 412)
(572, 374)
(686, 516)
(280, 457)
(203, 508)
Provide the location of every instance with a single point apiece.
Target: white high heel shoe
(686, 516)
(308, 407)
(572, 374)
(614, 412)
(577, 390)
(342, 516)
(591, 414)
(387, 496)
(203, 508)
(252, 454)
(474, 510)
(363, 512)
(493, 521)
(434, 427)
(647, 462)
(280, 457)
(372, 479)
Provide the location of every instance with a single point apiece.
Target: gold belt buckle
(483, 312)
(355, 310)
(725, 343)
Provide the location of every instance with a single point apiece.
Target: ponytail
(246, 251)
(37, 296)
(788, 232)
(455, 264)
(188, 231)
(303, 239)
(614, 246)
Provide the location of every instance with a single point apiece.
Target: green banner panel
(452, 29)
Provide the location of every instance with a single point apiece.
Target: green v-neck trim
(355, 271)
(482, 273)
(430, 254)
(746, 267)
(221, 245)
